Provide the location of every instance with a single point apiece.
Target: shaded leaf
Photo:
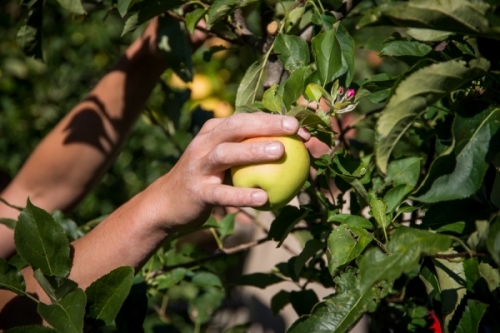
(259, 280)
(272, 99)
(405, 248)
(29, 36)
(399, 48)
(292, 51)
(222, 8)
(491, 275)
(452, 282)
(107, 294)
(226, 226)
(146, 10)
(171, 278)
(250, 84)
(328, 55)
(193, 17)
(345, 244)
(347, 47)
(351, 220)
(342, 310)
(412, 97)
(11, 278)
(9, 223)
(123, 6)
(67, 315)
(303, 301)
(395, 196)
(404, 171)
(41, 241)
(310, 249)
(288, 217)
(474, 311)
(294, 86)
(74, 6)
(31, 329)
(279, 301)
(379, 212)
(206, 279)
(204, 305)
(459, 171)
(493, 240)
(55, 287)
(174, 43)
(428, 35)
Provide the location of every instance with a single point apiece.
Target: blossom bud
(350, 93)
(341, 90)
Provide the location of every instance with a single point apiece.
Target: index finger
(247, 125)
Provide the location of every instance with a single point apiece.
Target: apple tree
(399, 219)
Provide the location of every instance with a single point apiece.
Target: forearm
(72, 158)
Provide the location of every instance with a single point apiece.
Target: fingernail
(259, 197)
(290, 123)
(273, 149)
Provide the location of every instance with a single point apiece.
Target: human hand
(185, 196)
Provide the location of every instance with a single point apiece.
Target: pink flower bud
(341, 90)
(350, 93)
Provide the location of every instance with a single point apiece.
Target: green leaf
(431, 283)
(272, 99)
(250, 84)
(292, 51)
(328, 55)
(11, 278)
(294, 86)
(193, 17)
(448, 15)
(171, 278)
(226, 226)
(222, 8)
(206, 279)
(279, 301)
(123, 6)
(310, 249)
(452, 282)
(404, 171)
(70, 227)
(351, 220)
(406, 247)
(377, 88)
(240, 328)
(399, 48)
(414, 95)
(259, 280)
(491, 275)
(347, 46)
(395, 196)
(55, 287)
(314, 92)
(493, 240)
(458, 173)
(340, 311)
(203, 306)
(67, 315)
(474, 311)
(303, 301)
(74, 6)
(9, 223)
(379, 212)
(288, 217)
(146, 10)
(345, 244)
(107, 294)
(31, 329)
(29, 36)
(41, 241)
(428, 35)
(174, 43)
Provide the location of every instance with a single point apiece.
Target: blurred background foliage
(79, 50)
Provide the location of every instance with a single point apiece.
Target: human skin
(73, 157)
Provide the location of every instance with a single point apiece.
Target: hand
(185, 196)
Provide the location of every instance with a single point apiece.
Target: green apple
(281, 179)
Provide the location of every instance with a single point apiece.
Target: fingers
(241, 126)
(228, 154)
(225, 195)
(304, 134)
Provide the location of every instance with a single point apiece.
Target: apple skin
(281, 179)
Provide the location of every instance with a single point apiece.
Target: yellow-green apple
(281, 179)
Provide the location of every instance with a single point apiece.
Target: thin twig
(11, 205)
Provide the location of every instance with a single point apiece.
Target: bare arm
(72, 158)
(181, 199)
